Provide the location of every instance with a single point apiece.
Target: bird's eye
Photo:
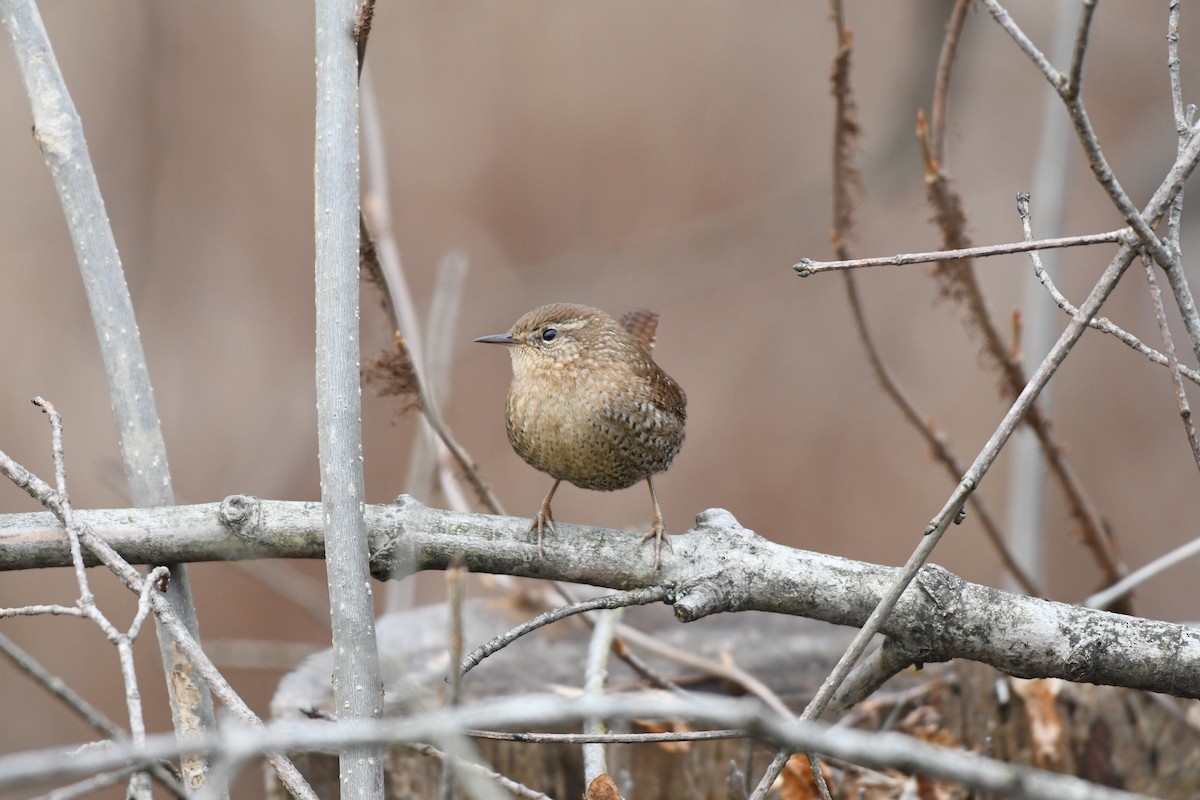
(549, 335)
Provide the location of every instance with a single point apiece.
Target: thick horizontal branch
(717, 566)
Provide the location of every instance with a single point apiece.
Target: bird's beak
(498, 338)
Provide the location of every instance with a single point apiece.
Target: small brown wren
(588, 405)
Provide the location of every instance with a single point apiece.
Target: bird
(588, 405)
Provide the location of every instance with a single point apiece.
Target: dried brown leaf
(392, 373)
(1045, 723)
(602, 788)
(798, 780)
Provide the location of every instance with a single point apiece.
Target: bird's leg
(657, 530)
(544, 519)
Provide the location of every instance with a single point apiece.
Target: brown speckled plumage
(587, 404)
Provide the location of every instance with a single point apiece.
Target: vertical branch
(59, 133)
(941, 82)
(595, 764)
(1027, 474)
(456, 581)
(846, 183)
(357, 689)
(959, 282)
(1184, 115)
(1185, 411)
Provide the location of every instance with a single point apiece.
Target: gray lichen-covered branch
(717, 566)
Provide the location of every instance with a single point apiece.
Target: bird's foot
(542, 520)
(658, 533)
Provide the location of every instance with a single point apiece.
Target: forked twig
(959, 282)
(845, 181)
(188, 647)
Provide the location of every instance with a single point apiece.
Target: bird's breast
(595, 430)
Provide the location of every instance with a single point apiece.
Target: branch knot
(242, 515)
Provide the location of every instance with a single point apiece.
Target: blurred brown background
(621, 154)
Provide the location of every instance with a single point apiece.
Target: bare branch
(610, 738)
(941, 82)
(1075, 76)
(1084, 130)
(600, 645)
(59, 133)
(1105, 598)
(876, 750)
(1102, 324)
(1181, 400)
(163, 772)
(456, 580)
(517, 789)
(846, 182)
(1184, 131)
(808, 267)
(356, 685)
(953, 507)
(187, 652)
(959, 281)
(652, 594)
(719, 566)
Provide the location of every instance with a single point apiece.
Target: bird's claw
(659, 534)
(541, 521)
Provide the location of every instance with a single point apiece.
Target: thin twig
(1074, 83)
(808, 267)
(627, 635)
(637, 597)
(609, 738)
(945, 68)
(953, 507)
(1027, 485)
(1105, 597)
(959, 281)
(934, 438)
(621, 647)
(724, 670)
(378, 235)
(1084, 130)
(517, 789)
(1184, 131)
(139, 782)
(1181, 400)
(38, 610)
(164, 612)
(163, 772)
(1102, 324)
